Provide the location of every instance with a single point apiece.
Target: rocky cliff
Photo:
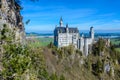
(11, 17)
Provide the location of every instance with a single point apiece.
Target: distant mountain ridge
(98, 33)
(81, 31)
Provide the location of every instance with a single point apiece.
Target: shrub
(15, 61)
(98, 68)
(79, 52)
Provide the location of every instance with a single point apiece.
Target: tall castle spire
(92, 32)
(61, 22)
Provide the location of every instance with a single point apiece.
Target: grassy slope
(45, 41)
(39, 42)
(116, 42)
(118, 49)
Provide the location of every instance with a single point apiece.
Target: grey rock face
(10, 15)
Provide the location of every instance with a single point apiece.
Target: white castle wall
(87, 42)
(81, 43)
(66, 39)
(86, 47)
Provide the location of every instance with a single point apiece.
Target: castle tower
(67, 35)
(92, 32)
(81, 44)
(61, 22)
(86, 47)
(82, 35)
(67, 28)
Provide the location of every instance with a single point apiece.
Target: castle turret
(91, 32)
(67, 30)
(82, 35)
(81, 44)
(61, 22)
(86, 47)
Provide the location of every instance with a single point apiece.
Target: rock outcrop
(10, 16)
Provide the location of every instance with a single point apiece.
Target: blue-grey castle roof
(64, 30)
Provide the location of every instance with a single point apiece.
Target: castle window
(74, 37)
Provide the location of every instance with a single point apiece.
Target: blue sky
(45, 14)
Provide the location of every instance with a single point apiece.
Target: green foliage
(88, 65)
(68, 50)
(55, 77)
(62, 77)
(79, 52)
(99, 47)
(115, 49)
(38, 64)
(115, 55)
(18, 59)
(15, 61)
(6, 34)
(110, 72)
(63, 51)
(50, 45)
(98, 68)
(117, 74)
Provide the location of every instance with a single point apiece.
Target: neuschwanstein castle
(65, 36)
